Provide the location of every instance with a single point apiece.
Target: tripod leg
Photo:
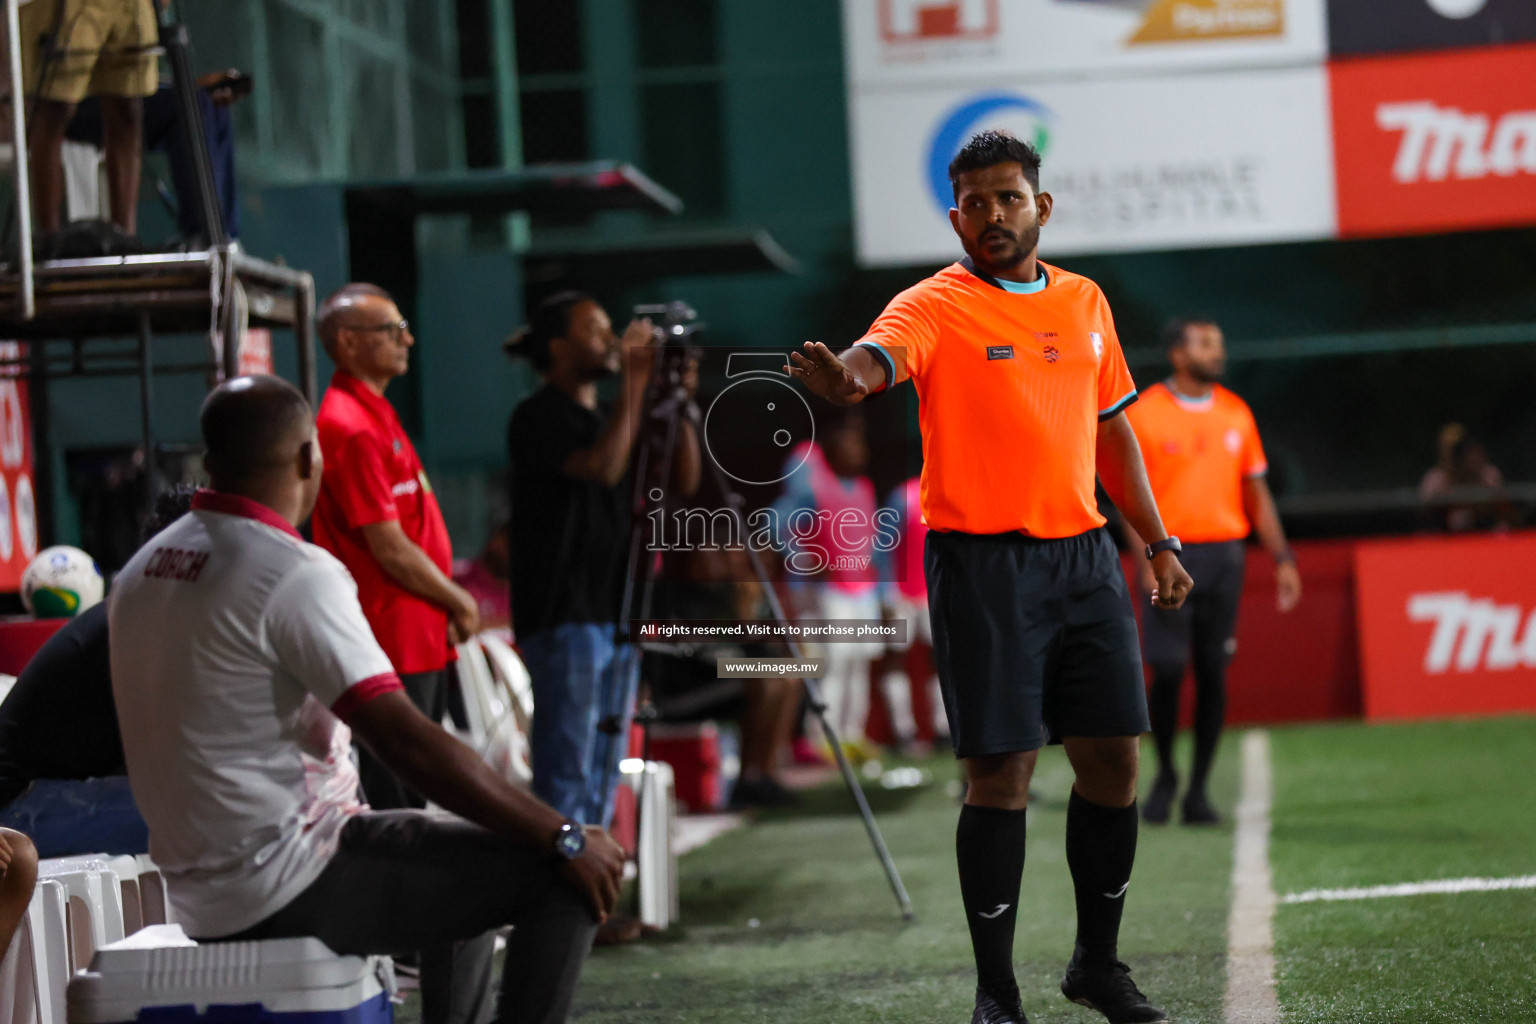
(819, 708)
(855, 790)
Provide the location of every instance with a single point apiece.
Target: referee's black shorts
(1034, 640)
(1208, 619)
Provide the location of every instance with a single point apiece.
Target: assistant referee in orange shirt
(1023, 391)
(1207, 468)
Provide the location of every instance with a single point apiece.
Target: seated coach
(240, 658)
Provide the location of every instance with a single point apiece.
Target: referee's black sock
(989, 848)
(1101, 847)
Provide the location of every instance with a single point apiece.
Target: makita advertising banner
(1168, 124)
(1447, 625)
(1436, 142)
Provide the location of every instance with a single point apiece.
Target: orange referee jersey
(1198, 451)
(1011, 389)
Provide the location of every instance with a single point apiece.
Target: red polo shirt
(372, 475)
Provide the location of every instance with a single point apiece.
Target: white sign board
(1175, 161)
(889, 42)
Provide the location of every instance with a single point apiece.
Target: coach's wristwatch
(1166, 544)
(570, 841)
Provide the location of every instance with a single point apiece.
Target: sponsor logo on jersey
(405, 487)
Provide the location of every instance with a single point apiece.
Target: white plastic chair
(655, 856)
(511, 673)
(95, 903)
(35, 971)
(502, 738)
(475, 686)
(153, 902)
(509, 748)
(126, 868)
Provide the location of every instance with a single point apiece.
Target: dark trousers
(409, 880)
(1204, 629)
(163, 130)
(429, 692)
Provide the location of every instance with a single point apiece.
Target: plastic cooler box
(693, 751)
(278, 981)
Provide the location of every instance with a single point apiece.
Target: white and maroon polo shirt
(237, 652)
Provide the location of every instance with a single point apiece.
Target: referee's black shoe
(1164, 789)
(991, 1011)
(1109, 989)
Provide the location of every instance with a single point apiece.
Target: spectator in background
(716, 583)
(72, 49)
(904, 595)
(570, 496)
(216, 92)
(830, 488)
(1463, 466)
(62, 776)
(377, 513)
(487, 576)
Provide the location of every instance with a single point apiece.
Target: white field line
(1442, 885)
(1250, 927)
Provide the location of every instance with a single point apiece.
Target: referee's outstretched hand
(1172, 582)
(826, 375)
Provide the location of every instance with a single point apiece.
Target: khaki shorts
(102, 49)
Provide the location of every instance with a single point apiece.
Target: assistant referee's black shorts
(1034, 640)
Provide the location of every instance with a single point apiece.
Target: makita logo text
(1443, 142)
(1472, 634)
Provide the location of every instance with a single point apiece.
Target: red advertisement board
(1447, 625)
(1436, 141)
(18, 502)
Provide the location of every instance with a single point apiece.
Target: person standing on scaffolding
(71, 49)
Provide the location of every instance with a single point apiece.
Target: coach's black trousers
(429, 692)
(414, 880)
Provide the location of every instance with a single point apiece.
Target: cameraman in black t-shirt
(570, 540)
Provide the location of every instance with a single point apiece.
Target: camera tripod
(665, 407)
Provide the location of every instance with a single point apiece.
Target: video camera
(674, 326)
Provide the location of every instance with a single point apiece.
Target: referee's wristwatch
(1166, 544)
(570, 841)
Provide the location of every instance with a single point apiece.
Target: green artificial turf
(1373, 805)
(790, 920)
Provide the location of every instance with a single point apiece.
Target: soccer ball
(61, 583)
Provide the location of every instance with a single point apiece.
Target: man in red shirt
(378, 515)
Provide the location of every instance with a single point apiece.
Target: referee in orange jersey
(1023, 393)
(1206, 465)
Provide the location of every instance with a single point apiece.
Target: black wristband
(1285, 556)
(1166, 544)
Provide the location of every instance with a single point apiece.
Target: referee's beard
(1024, 244)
